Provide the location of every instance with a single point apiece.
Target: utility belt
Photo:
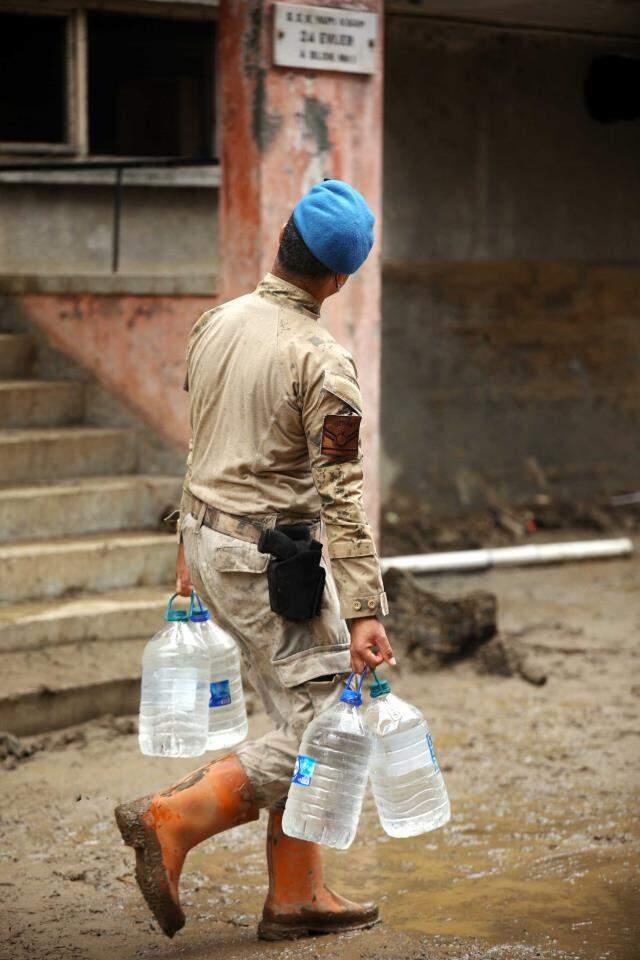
(249, 529)
(295, 575)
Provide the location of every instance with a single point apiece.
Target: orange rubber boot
(299, 904)
(163, 828)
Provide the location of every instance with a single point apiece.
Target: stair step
(40, 403)
(113, 615)
(39, 569)
(16, 354)
(87, 505)
(56, 687)
(58, 453)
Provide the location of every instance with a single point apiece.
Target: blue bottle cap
(354, 697)
(172, 615)
(379, 687)
(199, 613)
(175, 615)
(199, 616)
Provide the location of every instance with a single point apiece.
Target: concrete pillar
(281, 131)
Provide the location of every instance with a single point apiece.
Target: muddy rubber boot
(162, 828)
(299, 904)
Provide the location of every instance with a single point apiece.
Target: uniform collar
(284, 292)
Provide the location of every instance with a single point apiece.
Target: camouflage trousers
(281, 659)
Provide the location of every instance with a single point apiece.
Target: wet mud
(540, 859)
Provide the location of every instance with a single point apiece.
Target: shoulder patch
(340, 437)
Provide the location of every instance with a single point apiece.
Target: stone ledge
(200, 178)
(204, 284)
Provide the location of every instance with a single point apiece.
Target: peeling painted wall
(511, 307)
(134, 345)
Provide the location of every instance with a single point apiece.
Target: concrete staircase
(85, 563)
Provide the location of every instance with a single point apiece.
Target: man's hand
(369, 645)
(183, 580)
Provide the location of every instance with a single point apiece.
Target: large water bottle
(330, 775)
(408, 786)
(174, 702)
(227, 711)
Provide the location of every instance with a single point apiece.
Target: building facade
(151, 149)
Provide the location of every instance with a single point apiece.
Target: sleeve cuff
(370, 606)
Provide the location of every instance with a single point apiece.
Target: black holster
(296, 578)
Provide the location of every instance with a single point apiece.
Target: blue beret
(336, 224)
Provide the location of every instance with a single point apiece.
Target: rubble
(502, 656)
(410, 528)
(434, 629)
(12, 750)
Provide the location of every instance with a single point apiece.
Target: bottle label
(434, 759)
(219, 693)
(303, 770)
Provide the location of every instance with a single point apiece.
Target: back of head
(295, 256)
(329, 232)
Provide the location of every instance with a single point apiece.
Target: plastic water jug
(227, 711)
(330, 775)
(408, 786)
(174, 701)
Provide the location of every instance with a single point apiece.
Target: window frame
(76, 145)
(69, 147)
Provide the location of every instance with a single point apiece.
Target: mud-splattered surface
(539, 860)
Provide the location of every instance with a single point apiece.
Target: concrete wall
(511, 315)
(54, 228)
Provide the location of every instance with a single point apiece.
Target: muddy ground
(540, 858)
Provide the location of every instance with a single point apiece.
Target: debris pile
(14, 750)
(409, 527)
(434, 631)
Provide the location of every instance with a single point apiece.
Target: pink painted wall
(134, 345)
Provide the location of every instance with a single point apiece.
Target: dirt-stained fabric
(280, 658)
(263, 378)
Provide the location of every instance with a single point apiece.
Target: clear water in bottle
(330, 776)
(227, 711)
(175, 690)
(407, 783)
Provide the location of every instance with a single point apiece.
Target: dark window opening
(612, 89)
(150, 87)
(32, 79)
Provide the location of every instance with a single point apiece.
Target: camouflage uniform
(275, 416)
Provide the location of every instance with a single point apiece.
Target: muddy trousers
(282, 660)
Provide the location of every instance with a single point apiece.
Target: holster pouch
(295, 577)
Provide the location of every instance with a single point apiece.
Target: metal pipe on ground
(527, 555)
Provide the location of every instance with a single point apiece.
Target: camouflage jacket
(275, 420)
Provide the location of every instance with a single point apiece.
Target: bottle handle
(192, 609)
(170, 606)
(361, 677)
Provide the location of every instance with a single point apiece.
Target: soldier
(275, 418)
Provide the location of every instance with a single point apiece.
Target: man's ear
(281, 234)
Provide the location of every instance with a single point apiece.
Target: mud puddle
(509, 879)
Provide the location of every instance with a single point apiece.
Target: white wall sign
(324, 38)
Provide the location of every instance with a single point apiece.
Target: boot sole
(271, 930)
(150, 872)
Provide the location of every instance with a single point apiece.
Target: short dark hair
(295, 256)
